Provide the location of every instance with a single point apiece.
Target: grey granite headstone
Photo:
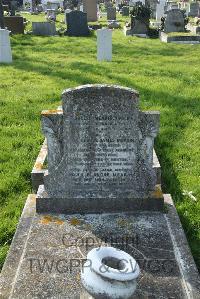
(174, 21)
(111, 13)
(44, 28)
(77, 24)
(194, 9)
(100, 152)
(125, 11)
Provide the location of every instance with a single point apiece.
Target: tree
(2, 25)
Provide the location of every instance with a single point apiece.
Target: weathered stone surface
(174, 21)
(100, 147)
(39, 170)
(77, 24)
(48, 251)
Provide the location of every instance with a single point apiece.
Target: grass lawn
(167, 77)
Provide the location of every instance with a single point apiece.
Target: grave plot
(101, 189)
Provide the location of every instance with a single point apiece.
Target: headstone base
(180, 39)
(48, 251)
(46, 204)
(128, 31)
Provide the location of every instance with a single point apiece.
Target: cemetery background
(167, 77)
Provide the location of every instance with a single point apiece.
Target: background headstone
(15, 24)
(77, 24)
(111, 13)
(90, 7)
(44, 28)
(160, 9)
(5, 48)
(104, 44)
(174, 21)
(194, 9)
(125, 11)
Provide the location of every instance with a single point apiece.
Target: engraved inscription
(103, 154)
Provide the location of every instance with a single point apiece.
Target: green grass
(167, 77)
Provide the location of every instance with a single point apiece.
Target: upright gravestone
(44, 28)
(15, 24)
(140, 20)
(125, 11)
(77, 24)
(100, 153)
(51, 14)
(160, 8)
(111, 13)
(90, 7)
(194, 9)
(104, 44)
(5, 48)
(174, 21)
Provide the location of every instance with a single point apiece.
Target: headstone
(6, 8)
(40, 8)
(160, 9)
(13, 7)
(5, 48)
(125, 11)
(174, 21)
(15, 24)
(104, 44)
(100, 153)
(51, 14)
(44, 28)
(194, 9)
(108, 4)
(77, 24)
(140, 21)
(66, 12)
(53, 5)
(90, 7)
(113, 24)
(152, 4)
(111, 13)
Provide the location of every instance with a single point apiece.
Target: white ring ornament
(110, 273)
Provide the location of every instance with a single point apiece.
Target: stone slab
(180, 39)
(48, 250)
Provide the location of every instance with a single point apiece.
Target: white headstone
(5, 48)
(104, 44)
(160, 9)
